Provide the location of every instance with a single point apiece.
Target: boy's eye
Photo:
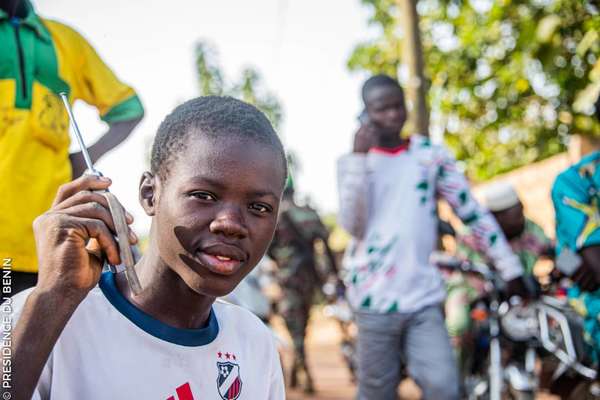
(204, 196)
(260, 208)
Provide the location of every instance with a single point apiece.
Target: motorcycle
(512, 338)
(568, 370)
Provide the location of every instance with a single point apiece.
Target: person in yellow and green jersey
(40, 58)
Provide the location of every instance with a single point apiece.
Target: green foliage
(248, 87)
(210, 77)
(510, 80)
(381, 55)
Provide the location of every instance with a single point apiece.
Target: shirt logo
(229, 382)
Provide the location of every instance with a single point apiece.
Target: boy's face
(217, 211)
(386, 109)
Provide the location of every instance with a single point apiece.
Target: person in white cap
(526, 238)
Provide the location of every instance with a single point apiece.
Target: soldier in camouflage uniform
(299, 228)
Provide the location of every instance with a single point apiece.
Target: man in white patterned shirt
(388, 188)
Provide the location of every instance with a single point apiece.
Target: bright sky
(300, 47)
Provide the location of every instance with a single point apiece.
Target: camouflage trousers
(295, 310)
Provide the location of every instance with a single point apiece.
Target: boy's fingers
(93, 247)
(85, 196)
(91, 210)
(98, 230)
(84, 182)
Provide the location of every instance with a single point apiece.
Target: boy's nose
(229, 222)
(392, 114)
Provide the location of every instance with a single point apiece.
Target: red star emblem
(219, 354)
(233, 355)
(227, 356)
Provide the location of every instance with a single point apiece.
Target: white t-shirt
(388, 203)
(110, 349)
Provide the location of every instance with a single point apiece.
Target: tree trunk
(413, 58)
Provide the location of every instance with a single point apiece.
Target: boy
(213, 192)
(388, 190)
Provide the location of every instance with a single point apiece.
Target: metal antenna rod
(116, 210)
(84, 151)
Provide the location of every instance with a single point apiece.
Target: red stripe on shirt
(234, 389)
(184, 392)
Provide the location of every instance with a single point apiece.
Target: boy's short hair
(378, 81)
(214, 116)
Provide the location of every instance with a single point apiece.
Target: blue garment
(575, 197)
(587, 304)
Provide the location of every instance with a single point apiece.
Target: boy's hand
(69, 239)
(364, 139)
(73, 234)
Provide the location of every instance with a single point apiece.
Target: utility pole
(416, 90)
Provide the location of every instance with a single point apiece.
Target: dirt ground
(332, 378)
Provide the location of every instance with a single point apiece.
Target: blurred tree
(510, 80)
(248, 87)
(415, 84)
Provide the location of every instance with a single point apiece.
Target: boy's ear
(149, 185)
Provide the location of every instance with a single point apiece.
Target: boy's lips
(219, 265)
(222, 260)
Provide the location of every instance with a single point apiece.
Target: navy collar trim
(154, 327)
